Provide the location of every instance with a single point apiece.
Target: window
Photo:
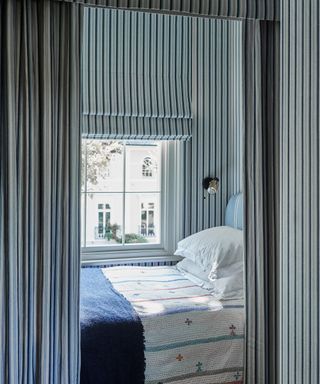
(148, 168)
(103, 230)
(147, 220)
(121, 206)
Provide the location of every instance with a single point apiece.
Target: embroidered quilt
(190, 337)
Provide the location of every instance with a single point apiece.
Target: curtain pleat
(261, 202)
(244, 9)
(39, 193)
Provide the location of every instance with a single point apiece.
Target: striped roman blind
(136, 75)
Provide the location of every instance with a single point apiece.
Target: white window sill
(141, 256)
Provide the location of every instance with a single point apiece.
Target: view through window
(121, 192)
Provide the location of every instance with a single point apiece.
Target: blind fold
(136, 75)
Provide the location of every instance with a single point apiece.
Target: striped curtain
(300, 186)
(39, 193)
(243, 9)
(261, 191)
(136, 75)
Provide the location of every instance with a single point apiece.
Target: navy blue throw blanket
(112, 340)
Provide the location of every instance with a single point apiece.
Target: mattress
(190, 337)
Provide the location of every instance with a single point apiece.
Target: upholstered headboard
(234, 212)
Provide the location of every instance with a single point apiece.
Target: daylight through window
(121, 201)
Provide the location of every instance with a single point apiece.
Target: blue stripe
(148, 281)
(194, 342)
(173, 311)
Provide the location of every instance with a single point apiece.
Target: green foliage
(133, 238)
(130, 238)
(113, 231)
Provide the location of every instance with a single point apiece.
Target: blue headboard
(234, 212)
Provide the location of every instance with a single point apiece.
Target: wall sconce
(211, 185)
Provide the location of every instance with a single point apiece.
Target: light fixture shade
(211, 185)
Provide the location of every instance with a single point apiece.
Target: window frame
(167, 238)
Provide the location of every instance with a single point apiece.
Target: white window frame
(170, 220)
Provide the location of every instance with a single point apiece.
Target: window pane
(104, 219)
(104, 170)
(143, 166)
(83, 223)
(142, 224)
(106, 182)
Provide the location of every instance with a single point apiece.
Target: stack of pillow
(213, 258)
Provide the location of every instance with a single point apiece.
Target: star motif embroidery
(179, 357)
(232, 330)
(237, 376)
(188, 321)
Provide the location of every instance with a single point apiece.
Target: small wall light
(211, 185)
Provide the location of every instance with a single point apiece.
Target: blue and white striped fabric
(234, 212)
(189, 335)
(217, 128)
(136, 75)
(241, 9)
(39, 193)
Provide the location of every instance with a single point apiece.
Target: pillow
(194, 273)
(218, 250)
(214, 261)
(229, 287)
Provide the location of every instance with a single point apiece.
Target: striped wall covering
(300, 185)
(245, 9)
(215, 149)
(213, 52)
(261, 203)
(136, 75)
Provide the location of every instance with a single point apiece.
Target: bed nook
(162, 293)
(165, 324)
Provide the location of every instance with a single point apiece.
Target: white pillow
(228, 288)
(218, 250)
(224, 288)
(194, 273)
(214, 260)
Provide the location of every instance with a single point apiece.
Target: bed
(188, 335)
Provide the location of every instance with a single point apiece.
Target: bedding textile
(190, 337)
(112, 341)
(215, 249)
(215, 256)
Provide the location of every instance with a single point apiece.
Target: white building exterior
(127, 199)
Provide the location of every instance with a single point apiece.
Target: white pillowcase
(229, 287)
(194, 273)
(217, 249)
(214, 257)
(223, 288)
